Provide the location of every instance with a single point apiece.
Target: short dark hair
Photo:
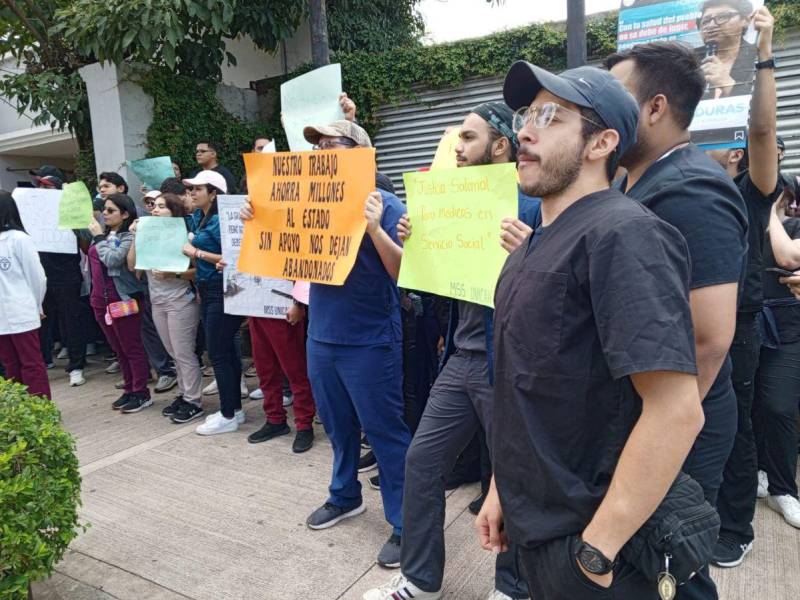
(124, 203)
(590, 124)
(9, 213)
(495, 135)
(668, 68)
(211, 145)
(172, 185)
(743, 7)
(174, 204)
(114, 178)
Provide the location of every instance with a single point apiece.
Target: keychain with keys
(667, 586)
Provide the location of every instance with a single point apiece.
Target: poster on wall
(723, 38)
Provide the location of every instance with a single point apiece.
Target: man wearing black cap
(460, 402)
(48, 177)
(594, 349)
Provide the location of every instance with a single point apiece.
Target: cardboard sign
(309, 213)
(159, 244)
(152, 171)
(454, 249)
(39, 212)
(721, 118)
(244, 294)
(75, 206)
(310, 99)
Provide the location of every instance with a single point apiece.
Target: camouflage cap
(346, 129)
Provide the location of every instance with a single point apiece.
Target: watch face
(592, 562)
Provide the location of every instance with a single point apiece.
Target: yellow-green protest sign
(454, 249)
(74, 206)
(445, 157)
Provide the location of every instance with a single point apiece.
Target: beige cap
(208, 177)
(346, 129)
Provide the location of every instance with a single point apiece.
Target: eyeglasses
(108, 210)
(542, 116)
(335, 143)
(718, 19)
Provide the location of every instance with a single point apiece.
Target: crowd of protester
(644, 347)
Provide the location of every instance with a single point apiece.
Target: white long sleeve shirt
(22, 283)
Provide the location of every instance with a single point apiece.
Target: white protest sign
(38, 209)
(247, 295)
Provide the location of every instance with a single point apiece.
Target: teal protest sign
(159, 244)
(152, 171)
(311, 99)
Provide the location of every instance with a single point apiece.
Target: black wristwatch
(766, 64)
(593, 560)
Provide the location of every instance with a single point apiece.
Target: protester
(22, 291)
(109, 183)
(150, 199)
(778, 380)
(176, 314)
(349, 334)
(258, 146)
(206, 154)
(726, 56)
(461, 400)
(48, 177)
(594, 349)
(793, 283)
(756, 175)
(116, 298)
(205, 247)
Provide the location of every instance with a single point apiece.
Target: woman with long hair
(176, 314)
(116, 299)
(205, 248)
(22, 289)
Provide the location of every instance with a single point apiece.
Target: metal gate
(412, 129)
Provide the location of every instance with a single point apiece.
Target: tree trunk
(320, 54)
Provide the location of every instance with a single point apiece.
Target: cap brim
(195, 181)
(524, 81)
(313, 133)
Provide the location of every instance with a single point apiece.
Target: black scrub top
(598, 295)
(787, 318)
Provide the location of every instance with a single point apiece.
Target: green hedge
(39, 489)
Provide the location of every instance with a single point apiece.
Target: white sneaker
(287, 401)
(788, 506)
(76, 378)
(763, 485)
(243, 388)
(498, 595)
(113, 368)
(239, 415)
(402, 588)
(218, 425)
(257, 394)
(211, 389)
(64, 353)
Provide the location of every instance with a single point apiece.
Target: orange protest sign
(309, 213)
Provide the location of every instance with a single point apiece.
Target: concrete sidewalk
(174, 515)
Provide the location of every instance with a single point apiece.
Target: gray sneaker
(113, 368)
(166, 383)
(389, 556)
(329, 515)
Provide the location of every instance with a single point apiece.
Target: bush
(39, 489)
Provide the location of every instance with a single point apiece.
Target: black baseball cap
(781, 143)
(588, 87)
(47, 171)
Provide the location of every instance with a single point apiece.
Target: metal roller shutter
(787, 75)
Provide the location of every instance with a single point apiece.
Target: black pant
(777, 400)
(552, 573)
(737, 496)
(65, 312)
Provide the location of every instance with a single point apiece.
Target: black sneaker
(267, 432)
(303, 441)
(389, 556)
(120, 402)
(365, 445)
(173, 408)
(136, 402)
(476, 505)
(367, 462)
(187, 412)
(375, 482)
(329, 515)
(729, 553)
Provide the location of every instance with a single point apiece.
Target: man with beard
(461, 399)
(686, 188)
(594, 349)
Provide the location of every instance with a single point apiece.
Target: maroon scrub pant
(279, 348)
(21, 356)
(124, 335)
